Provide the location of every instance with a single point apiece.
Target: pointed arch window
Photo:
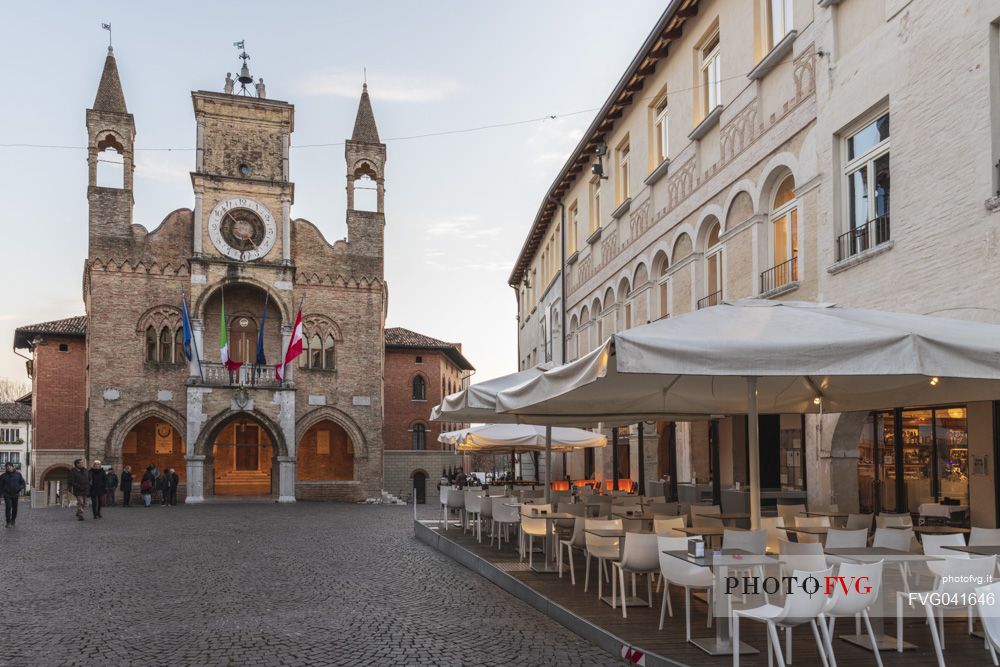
(419, 389)
(151, 354)
(179, 346)
(329, 356)
(166, 343)
(315, 352)
(304, 357)
(419, 436)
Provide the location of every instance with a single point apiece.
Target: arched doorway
(153, 442)
(325, 453)
(420, 487)
(54, 482)
(243, 458)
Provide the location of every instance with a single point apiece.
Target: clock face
(242, 228)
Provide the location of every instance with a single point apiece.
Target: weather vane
(244, 77)
(107, 26)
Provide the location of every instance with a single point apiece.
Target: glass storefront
(929, 446)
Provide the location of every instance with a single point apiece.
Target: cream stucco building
(747, 152)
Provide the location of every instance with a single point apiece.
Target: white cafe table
(548, 566)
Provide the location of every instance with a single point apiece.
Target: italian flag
(224, 342)
(294, 348)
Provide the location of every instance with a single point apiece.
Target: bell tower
(110, 161)
(365, 156)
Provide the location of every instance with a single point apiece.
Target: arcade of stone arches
(242, 459)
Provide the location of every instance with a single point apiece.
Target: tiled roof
(109, 92)
(398, 337)
(365, 131)
(70, 326)
(15, 412)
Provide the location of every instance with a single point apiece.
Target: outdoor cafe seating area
(622, 562)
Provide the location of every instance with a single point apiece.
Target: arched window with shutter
(419, 433)
(419, 389)
(179, 357)
(304, 357)
(315, 352)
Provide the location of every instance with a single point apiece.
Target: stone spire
(365, 131)
(109, 93)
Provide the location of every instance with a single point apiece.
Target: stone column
(198, 195)
(284, 155)
(286, 230)
(195, 479)
(199, 159)
(286, 479)
(350, 192)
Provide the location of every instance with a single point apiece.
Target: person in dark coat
(112, 487)
(146, 486)
(163, 485)
(126, 485)
(79, 486)
(98, 487)
(11, 487)
(170, 485)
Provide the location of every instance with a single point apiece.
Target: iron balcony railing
(713, 299)
(248, 375)
(779, 275)
(867, 236)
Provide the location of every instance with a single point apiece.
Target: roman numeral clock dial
(242, 228)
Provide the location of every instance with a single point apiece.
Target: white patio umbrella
(756, 355)
(477, 402)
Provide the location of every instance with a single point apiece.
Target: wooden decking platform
(598, 622)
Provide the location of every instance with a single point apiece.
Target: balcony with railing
(713, 299)
(779, 276)
(860, 239)
(248, 375)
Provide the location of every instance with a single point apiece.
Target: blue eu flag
(186, 322)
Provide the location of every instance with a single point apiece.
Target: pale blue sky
(457, 207)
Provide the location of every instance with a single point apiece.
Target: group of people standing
(99, 485)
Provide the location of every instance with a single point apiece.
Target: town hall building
(244, 266)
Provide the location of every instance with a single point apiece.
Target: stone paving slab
(232, 584)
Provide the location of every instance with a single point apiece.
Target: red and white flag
(294, 348)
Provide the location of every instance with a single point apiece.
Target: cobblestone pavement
(257, 584)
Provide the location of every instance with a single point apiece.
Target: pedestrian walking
(171, 484)
(126, 485)
(11, 487)
(162, 485)
(98, 487)
(112, 486)
(79, 485)
(146, 486)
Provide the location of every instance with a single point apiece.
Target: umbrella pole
(548, 464)
(753, 428)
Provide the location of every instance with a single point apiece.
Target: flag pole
(194, 340)
(284, 366)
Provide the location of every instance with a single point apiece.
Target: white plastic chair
(934, 545)
(806, 556)
(682, 573)
(443, 499)
(667, 509)
(898, 539)
(790, 512)
(604, 549)
(455, 503)
(751, 541)
(577, 541)
(639, 556)
(846, 539)
(799, 608)
(859, 521)
(984, 537)
(667, 525)
(959, 577)
(473, 508)
(701, 515)
(810, 522)
(988, 605)
(503, 518)
(532, 527)
(485, 512)
(773, 525)
(854, 602)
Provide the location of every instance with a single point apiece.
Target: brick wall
(58, 402)
(401, 411)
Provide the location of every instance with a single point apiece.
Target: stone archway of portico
(128, 421)
(338, 417)
(211, 429)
